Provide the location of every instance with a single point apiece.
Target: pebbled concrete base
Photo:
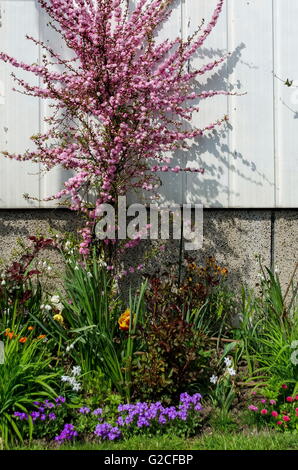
(286, 244)
(234, 237)
(17, 225)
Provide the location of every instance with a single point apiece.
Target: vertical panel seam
(272, 241)
(274, 106)
(228, 104)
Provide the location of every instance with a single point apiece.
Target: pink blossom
(119, 105)
(253, 408)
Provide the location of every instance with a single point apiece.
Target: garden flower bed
(180, 352)
(83, 366)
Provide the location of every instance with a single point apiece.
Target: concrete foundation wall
(234, 237)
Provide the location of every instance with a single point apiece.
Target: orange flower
(41, 336)
(124, 320)
(23, 339)
(9, 334)
(30, 328)
(224, 271)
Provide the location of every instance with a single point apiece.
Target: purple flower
(142, 414)
(162, 419)
(171, 413)
(34, 415)
(120, 421)
(67, 433)
(84, 410)
(114, 434)
(49, 404)
(21, 416)
(52, 416)
(60, 400)
(142, 422)
(107, 431)
(97, 412)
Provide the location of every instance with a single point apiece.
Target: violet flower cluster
(131, 417)
(44, 410)
(145, 415)
(67, 433)
(107, 431)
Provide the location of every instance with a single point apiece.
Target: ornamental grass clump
(25, 376)
(121, 102)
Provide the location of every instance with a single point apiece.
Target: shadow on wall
(213, 151)
(234, 237)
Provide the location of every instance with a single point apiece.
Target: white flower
(228, 361)
(65, 378)
(294, 344)
(231, 371)
(213, 379)
(68, 348)
(55, 299)
(76, 371)
(89, 275)
(76, 387)
(67, 245)
(294, 357)
(49, 268)
(76, 267)
(46, 307)
(3, 283)
(72, 381)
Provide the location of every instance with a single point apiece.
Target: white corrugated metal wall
(250, 164)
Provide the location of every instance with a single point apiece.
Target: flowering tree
(120, 103)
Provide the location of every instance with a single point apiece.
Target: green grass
(212, 441)
(249, 441)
